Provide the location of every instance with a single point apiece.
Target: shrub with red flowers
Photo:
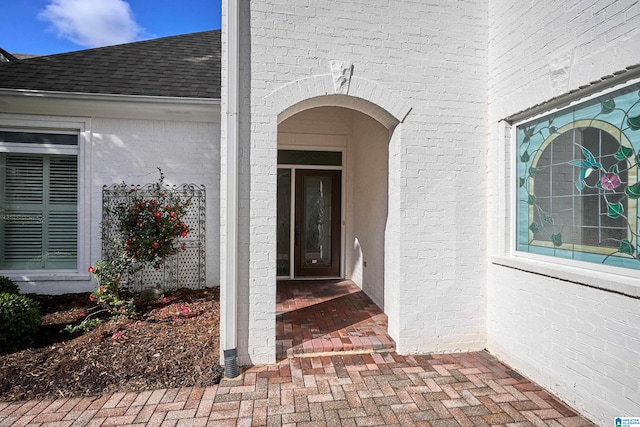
(150, 227)
(108, 275)
(107, 295)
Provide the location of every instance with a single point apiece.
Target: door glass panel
(316, 233)
(303, 157)
(284, 222)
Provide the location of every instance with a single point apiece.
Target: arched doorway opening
(332, 214)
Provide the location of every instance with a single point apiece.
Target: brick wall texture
(434, 288)
(575, 340)
(458, 69)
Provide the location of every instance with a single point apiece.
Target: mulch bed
(172, 342)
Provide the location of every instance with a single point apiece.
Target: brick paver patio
(343, 374)
(469, 389)
(326, 317)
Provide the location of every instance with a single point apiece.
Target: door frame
(292, 198)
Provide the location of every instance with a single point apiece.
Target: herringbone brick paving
(366, 389)
(469, 389)
(326, 317)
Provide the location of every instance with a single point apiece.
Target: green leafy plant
(19, 318)
(108, 275)
(8, 286)
(150, 227)
(86, 325)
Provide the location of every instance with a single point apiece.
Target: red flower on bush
(150, 226)
(91, 269)
(147, 233)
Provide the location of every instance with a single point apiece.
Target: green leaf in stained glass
(522, 181)
(633, 191)
(547, 218)
(553, 129)
(634, 122)
(623, 153)
(525, 157)
(557, 239)
(528, 133)
(626, 247)
(534, 227)
(614, 210)
(614, 169)
(531, 199)
(599, 185)
(608, 106)
(532, 171)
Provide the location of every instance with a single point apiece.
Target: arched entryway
(333, 186)
(249, 202)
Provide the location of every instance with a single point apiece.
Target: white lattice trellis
(186, 269)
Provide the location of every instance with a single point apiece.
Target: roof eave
(25, 101)
(108, 97)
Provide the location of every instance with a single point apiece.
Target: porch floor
(326, 317)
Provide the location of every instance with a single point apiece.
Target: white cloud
(92, 23)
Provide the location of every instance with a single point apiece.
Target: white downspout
(233, 103)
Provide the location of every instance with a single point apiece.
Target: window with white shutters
(38, 211)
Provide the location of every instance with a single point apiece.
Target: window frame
(616, 278)
(52, 125)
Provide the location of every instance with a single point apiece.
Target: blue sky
(52, 26)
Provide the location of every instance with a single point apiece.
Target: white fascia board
(115, 106)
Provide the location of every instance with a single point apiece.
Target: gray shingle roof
(178, 66)
(6, 56)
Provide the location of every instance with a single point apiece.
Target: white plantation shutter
(62, 217)
(39, 221)
(23, 203)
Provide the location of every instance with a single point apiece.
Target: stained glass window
(577, 188)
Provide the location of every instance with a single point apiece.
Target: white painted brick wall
(432, 57)
(581, 343)
(131, 151)
(369, 164)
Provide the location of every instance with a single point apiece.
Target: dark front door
(317, 223)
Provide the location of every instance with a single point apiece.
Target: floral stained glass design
(578, 189)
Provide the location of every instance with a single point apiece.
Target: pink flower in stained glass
(610, 181)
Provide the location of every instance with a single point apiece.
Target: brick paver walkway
(326, 317)
(470, 389)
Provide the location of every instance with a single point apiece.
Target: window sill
(616, 283)
(45, 275)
